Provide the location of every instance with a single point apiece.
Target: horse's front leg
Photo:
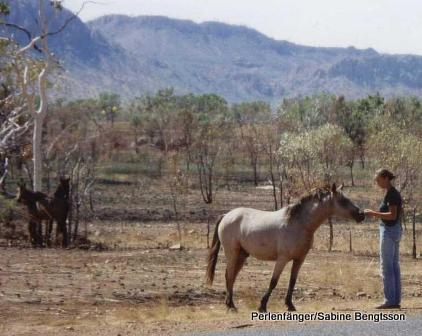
(63, 229)
(40, 240)
(48, 229)
(32, 228)
(278, 268)
(297, 263)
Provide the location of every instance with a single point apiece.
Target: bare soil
(142, 284)
(152, 288)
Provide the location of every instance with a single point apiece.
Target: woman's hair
(385, 173)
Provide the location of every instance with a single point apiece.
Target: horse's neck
(318, 214)
(61, 192)
(32, 206)
(40, 197)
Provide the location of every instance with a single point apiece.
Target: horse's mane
(316, 194)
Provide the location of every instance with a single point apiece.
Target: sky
(391, 26)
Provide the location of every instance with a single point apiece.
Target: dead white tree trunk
(37, 152)
(38, 114)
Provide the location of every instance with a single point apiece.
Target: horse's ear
(333, 188)
(64, 179)
(341, 187)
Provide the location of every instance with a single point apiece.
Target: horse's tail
(213, 254)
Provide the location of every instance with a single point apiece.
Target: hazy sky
(392, 26)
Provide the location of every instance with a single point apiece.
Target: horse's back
(246, 217)
(252, 216)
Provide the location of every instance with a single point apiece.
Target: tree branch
(58, 137)
(33, 41)
(26, 31)
(5, 171)
(68, 20)
(11, 131)
(30, 45)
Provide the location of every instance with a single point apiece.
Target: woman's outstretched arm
(390, 215)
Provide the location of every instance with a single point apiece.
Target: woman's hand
(369, 212)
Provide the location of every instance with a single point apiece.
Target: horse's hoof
(232, 309)
(262, 309)
(291, 308)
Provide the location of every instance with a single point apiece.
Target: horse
(63, 189)
(36, 216)
(60, 207)
(42, 207)
(280, 236)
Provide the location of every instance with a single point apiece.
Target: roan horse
(281, 236)
(42, 207)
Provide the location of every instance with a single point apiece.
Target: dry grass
(159, 290)
(129, 235)
(365, 238)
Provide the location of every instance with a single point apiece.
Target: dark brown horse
(36, 216)
(59, 207)
(42, 207)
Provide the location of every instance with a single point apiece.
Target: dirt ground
(141, 286)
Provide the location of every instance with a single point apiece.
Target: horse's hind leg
(293, 277)
(234, 264)
(278, 268)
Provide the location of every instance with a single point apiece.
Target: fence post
(414, 233)
(330, 222)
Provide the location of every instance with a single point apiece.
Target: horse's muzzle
(360, 217)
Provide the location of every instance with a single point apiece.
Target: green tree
(212, 114)
(400, 151)
(314, 157)
(110, 104)
(4, 8)
(250, 118)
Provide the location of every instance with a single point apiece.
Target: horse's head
(343, 206)
(63, 189)
(65, 183)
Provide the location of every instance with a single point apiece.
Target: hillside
(135, 55)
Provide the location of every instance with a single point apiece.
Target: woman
(390, 234)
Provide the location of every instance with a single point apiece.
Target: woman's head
(383, 178)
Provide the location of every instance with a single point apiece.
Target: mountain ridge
(244, 28)
(134, 55)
